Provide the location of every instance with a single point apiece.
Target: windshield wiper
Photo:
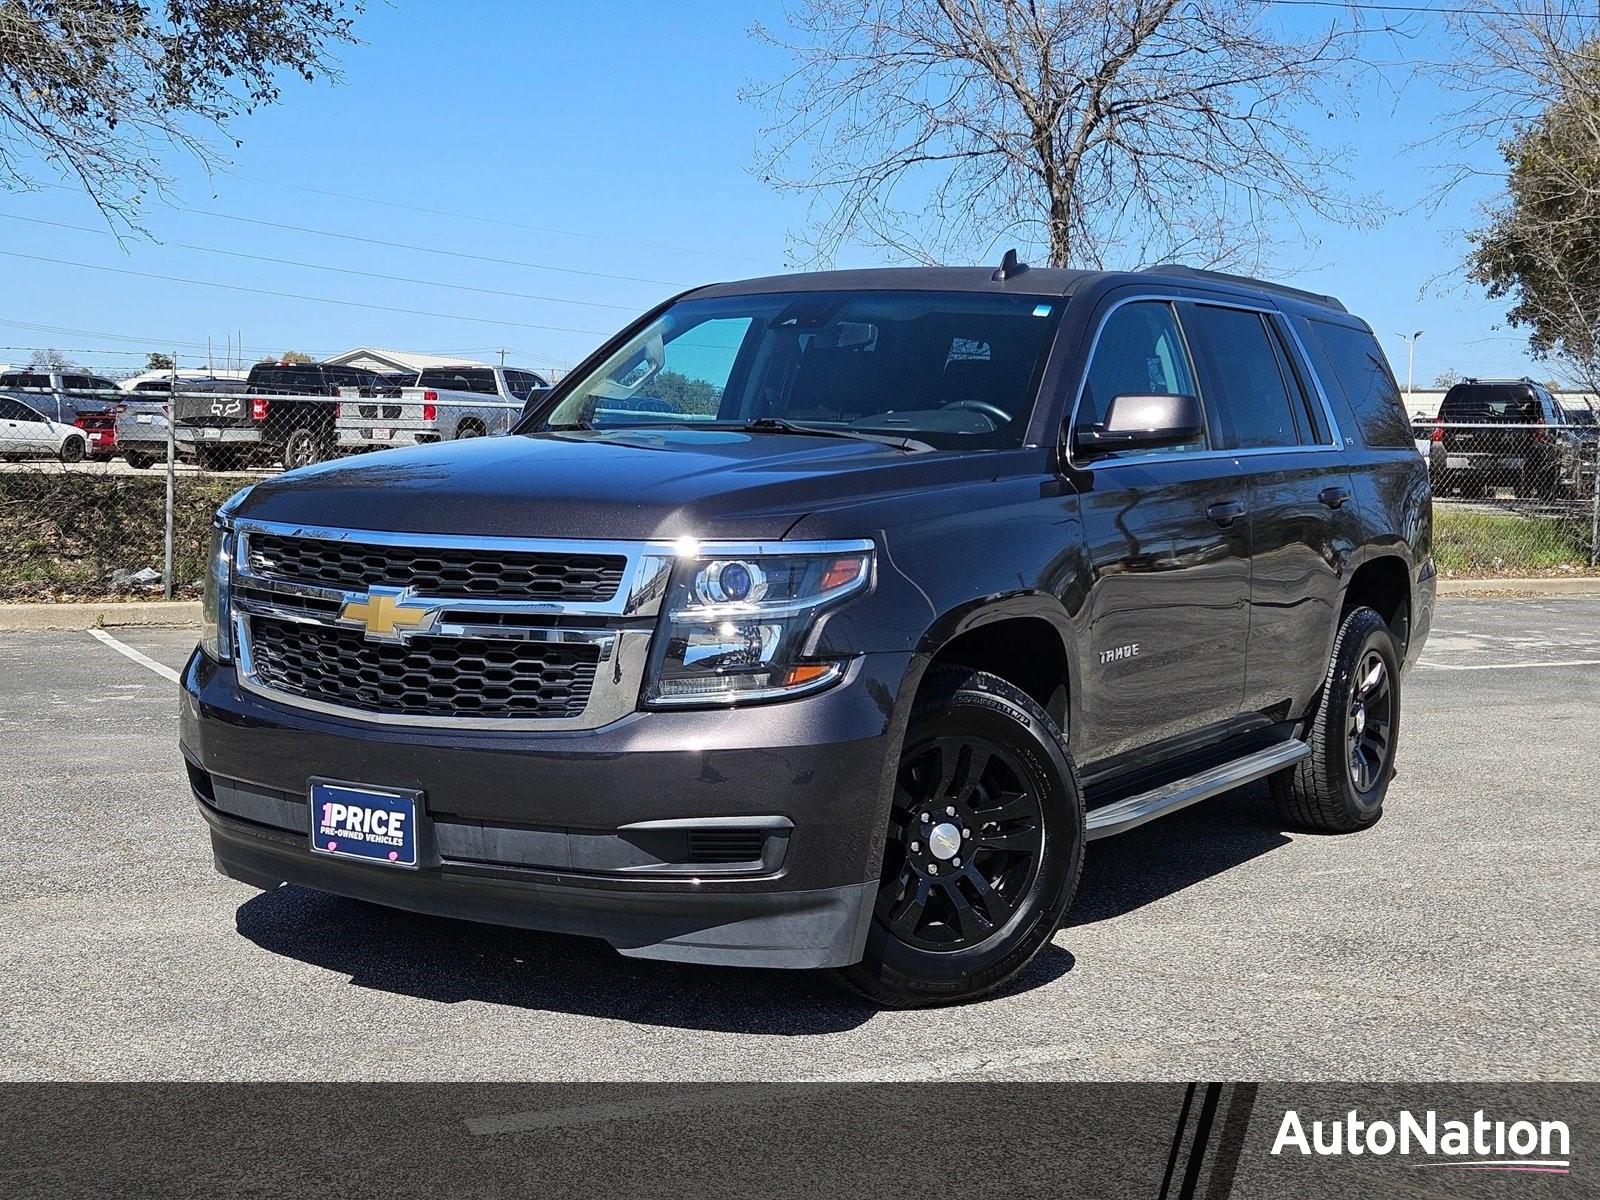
(783, 425)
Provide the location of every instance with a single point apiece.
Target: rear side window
(24, 379)
(1248, 381)
(1362, 373)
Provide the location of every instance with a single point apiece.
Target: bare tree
(48, 361)
(1130, 129)
(99, 90)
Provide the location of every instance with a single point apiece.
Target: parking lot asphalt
(1459, 939)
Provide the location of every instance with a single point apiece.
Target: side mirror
(1140, 422)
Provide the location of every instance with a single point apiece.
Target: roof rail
(1183, 272)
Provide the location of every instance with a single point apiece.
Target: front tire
(985, 846)
(1354, 731)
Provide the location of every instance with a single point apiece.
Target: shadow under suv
(819, 621)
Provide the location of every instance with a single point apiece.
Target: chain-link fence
(111, 493)
(1513, 499)
(103, 493)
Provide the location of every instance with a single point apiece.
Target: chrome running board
(1180, 793)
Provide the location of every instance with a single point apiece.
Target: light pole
(1411, 354)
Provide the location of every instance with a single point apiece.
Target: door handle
(1226, 512)
(1334, 497)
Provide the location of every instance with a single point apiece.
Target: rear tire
(72, 450)
(138, 460)
(1354, 732)
(470, 429)
(970, 897)
(302, 448)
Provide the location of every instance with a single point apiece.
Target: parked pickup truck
(141, 417)
(61, 396)
(446, 403)
(821, 620)
(286, 413)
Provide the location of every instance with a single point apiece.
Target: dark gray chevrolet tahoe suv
(819, 621)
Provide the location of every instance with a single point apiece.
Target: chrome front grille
(437, 571)
(491, 678)
(438, 630)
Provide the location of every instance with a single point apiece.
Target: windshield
(949, 369)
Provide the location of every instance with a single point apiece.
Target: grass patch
(1470, 541)
(64, 533)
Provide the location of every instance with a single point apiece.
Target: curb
(1581, 585)
(105, 614)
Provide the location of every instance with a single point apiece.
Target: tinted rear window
(24, 379)
(1362, 373)
(460, 379)
(1508, 402)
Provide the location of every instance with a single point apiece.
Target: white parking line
(144, 660)
(1511, 666)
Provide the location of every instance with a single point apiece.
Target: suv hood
(628, 484)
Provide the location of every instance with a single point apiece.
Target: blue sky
(605, 149)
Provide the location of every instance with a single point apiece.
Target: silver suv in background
(445, 403)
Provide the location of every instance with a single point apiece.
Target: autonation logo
(1478, 1144)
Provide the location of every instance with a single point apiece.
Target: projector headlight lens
(736, 627)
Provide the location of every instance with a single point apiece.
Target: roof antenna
(1010, 267)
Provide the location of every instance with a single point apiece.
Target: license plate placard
(379, 434)
(348, 821)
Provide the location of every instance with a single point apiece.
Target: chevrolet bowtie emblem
(387, 614)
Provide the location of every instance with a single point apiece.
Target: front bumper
(575, 832)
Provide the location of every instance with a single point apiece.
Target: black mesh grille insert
(446, 574)
(428, 676)
(726, 845)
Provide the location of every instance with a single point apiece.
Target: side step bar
(1180, 793)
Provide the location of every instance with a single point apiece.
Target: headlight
(737, 626)
(216, 624)
(216, 636)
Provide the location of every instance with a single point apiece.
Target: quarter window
(1140, 352)
(1246, 381)
(1362, 373)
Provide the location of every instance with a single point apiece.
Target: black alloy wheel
(983, 846)
(969, 832)
(1369, 723)
(1353, 731)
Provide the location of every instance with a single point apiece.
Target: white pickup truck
(446, 403)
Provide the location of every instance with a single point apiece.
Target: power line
(168, 343)
(256, 291)
(441, 212)
(159, 342)
(289, 262)
(504, 262)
